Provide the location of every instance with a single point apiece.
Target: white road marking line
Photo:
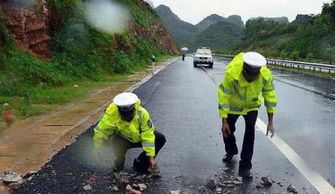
(320, 184)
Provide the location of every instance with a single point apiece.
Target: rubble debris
(142, 187)
(87, 188)
(292, 189)
(14, 186)
(267, 181)
(219, 190)
(259, 186)
(135, 186)
(128, 187)
(280, 184)
(202, 189)
(115, 188)
(29, 174)
(134, 191)
(237, 182)
(228, 182)
(175, 192)
(155, 176)
(124, 180)
(238, 178)
(11, 177)
(211, 184)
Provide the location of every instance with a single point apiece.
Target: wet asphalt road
(182, 101)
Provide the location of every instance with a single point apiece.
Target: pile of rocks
(14, 180)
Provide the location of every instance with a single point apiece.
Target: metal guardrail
(327, 68)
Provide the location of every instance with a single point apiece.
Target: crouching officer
(127, 125)
(247, 82)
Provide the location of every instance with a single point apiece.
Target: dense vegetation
(312, 40)
(80, 54)
(217, 36)
(213, 31)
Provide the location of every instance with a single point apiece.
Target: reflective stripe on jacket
(238, 96)
(140, 129)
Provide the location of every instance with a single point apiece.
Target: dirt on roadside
(28, 144)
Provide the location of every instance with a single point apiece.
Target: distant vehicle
(203, 56)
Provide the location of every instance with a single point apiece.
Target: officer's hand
(153, 163)
(270, 130)
(225, 129)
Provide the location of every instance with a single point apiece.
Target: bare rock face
(28, 28)
(165, 41)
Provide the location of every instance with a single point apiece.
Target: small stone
(154, 175)
(14, 186)
(11, 177)
(142, 187)
(280, 184)
(237, 182)
(29, 174)
(175, 192)
(128, 187)
(124, 180)
(202, 189)
(267, 181)
(238, 178)
(228, 182)
(230, 186)
(292, 189)
(218, 190)
(259, 186)
(115, 188)
(135, 186)
(134, 191)
(76, 86)
(87, 188)
(211, 184)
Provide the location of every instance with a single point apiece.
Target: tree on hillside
(329, 9)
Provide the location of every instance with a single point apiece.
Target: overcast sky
(193, 11)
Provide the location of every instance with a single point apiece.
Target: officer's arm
(269, 94)
(147, 134)
(225, 90)
(103, 130)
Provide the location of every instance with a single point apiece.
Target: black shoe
(246, 174)
(228, 157)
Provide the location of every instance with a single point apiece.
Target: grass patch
(81, 55)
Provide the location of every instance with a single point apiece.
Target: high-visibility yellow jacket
(140, 129)
(238, 96)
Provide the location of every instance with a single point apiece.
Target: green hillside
(312, 40)
(80, 54)
(213, 31)
(217, 36)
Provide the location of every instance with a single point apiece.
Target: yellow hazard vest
(238, 96)
(140, 129)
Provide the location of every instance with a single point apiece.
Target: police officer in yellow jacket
(128, 125)
(246, 84)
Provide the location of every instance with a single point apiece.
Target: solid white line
(320, 184)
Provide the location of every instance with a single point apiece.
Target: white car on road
(203, 56)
